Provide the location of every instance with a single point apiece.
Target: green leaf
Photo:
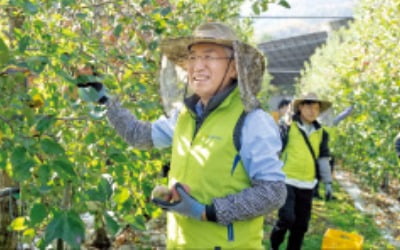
(21, 164)
(105, 188)
(29, 233)
(18, 224)
(18, 156)
(30, 7)
(22, 171)
(117, 31)
(44, 123)
(63, 166)
(67, 226)
(256, 8)
(3, 159)
(111, 224)
(284, 3)
(66, 3)
(44, 189)
(153, 45)
(88, 78)
(137, 221)
(81, 15)
(64, 74)
(65, 57)
(23, 43)
(122, 195)
(166, 11)
(94, 195)
(38, 213)
(38, 25)
(90, 138)
(102, 193)
(51, 147)
(264, 6)
(37, 63)
(4, 53)
(44, 173)
(119, 157)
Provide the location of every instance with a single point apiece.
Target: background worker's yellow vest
(204, 162)
(298, 161)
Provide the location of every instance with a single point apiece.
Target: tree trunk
(8, 211)
(385, 183)
(8, 204)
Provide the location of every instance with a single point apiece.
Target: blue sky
(281, 28)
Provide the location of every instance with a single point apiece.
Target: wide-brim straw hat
(311, 96)
(250, 62)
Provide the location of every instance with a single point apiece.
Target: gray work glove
(93, 92)
(187, 205)
(328, 191)
(324, 170)
(397, 145)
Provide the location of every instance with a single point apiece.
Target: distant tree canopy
(360, 66)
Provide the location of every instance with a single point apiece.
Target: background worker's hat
(250, 62)
(311, 97)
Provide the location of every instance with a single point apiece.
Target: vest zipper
(231, 235)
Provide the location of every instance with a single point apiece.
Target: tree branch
(4, 119)
(81, 118)
(99, 4)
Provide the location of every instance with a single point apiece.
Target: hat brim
(177, 49)
(324, 104)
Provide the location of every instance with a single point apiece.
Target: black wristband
(211, 214)
(103, 100)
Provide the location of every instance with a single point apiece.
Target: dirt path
(382, 207)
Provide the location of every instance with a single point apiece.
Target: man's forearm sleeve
(260, 199)
(135, 132)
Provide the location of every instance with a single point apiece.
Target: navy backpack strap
(237, 136)
(284, 132)
(237, 132)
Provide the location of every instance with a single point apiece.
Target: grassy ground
(338, 214)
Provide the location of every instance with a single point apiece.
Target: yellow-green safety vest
(297, 158)
(204, 162)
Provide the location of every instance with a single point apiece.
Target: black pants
(293, 216)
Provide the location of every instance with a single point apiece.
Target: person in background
(225, 166)
(280, 115)
(397, 145)
(305, 155)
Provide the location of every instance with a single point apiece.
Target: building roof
(286, 57)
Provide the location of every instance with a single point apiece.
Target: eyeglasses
(308, 102)
(206, 59)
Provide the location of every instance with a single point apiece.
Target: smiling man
(211, 69)
(224, 147)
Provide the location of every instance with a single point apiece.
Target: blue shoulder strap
(237, 132)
